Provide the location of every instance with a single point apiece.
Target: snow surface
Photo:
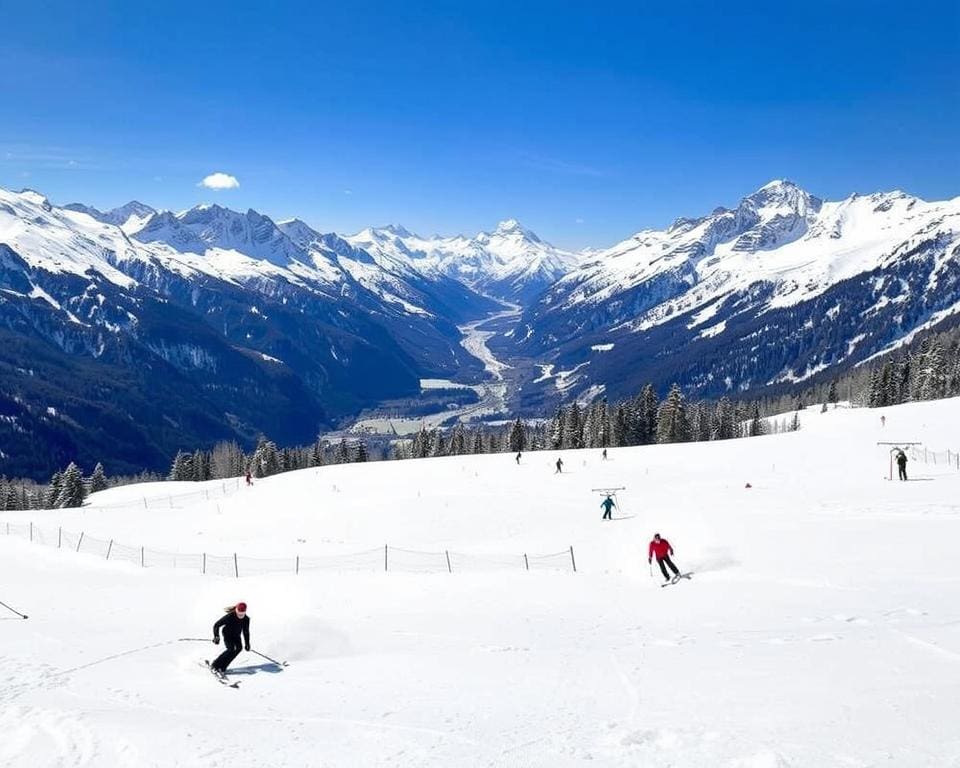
(821, 626)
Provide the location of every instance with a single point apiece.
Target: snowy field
(821, 626)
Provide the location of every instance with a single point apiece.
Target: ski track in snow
(811, 634)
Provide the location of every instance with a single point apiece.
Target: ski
(221, 678)
(676, 579)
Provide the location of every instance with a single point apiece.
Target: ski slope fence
(385, 558)
(211, 492)
(948, 458)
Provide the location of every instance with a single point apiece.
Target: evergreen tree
(602, 419)
(875, 400)
(619, 434)
(341, 453)
(316, 453)
(53, 491)
(739, 417)
(573, 427)
(477, 446)
(932, 375)
(360, 453)
(458, 440)
(672, 426)
(647, 408)
(701, 426)
(421, 443)
(182, 467)
(589, 434)
(832, 393)
(518, 437)
(98, 480)
(556, 429)
(757, 426)
(72, 491)
(197, 464)
(266, 459)
(723, 421)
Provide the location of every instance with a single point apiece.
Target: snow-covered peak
(398, 230)
(510, 262)
(301, 233)
(32, 196)
(130, 216)
(250, 233)
(57, 240)
(511, 228)
(781, 197)
(165, 227)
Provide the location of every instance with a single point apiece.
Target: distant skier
(883, 421)
(604, 454)
(249, 479)
(902, 463)
(608, 504)
(518, 456)
(234, 622)
(661, 549)
(559, 466)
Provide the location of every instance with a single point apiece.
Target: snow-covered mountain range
(175, 329)
(511, 262)
(777, 289)
(179, 329)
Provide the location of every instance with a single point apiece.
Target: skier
(559, 466)
(604, 454)
(608, 504)
(234, 622)
(249, 479)
(883, 421)
(518, 456)
(662, 550)
(902, 463)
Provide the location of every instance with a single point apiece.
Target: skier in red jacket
(661, 549)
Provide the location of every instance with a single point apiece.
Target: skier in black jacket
(234, 622)
(902, 463)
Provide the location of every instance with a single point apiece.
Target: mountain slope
(805, 638)
(261, 342)
(781, 287)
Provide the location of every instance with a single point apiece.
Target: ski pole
(21, 615)
(194, 639)
(264, 656)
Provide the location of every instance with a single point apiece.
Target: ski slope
(821, 626)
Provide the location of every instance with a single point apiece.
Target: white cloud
(219, 181)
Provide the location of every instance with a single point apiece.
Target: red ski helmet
(242, 607)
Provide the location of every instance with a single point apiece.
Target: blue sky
(586, 121)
